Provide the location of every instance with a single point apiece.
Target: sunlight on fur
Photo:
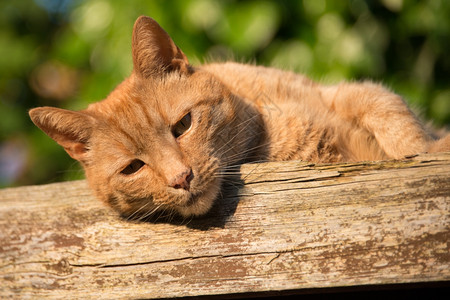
(169, 135)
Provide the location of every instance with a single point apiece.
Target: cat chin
(200, 204)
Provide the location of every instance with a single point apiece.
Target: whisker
(189, 220)
(172, 214)
(150, 213)
(236, 135)
(240, 130)
(130, 217)
(247, 151)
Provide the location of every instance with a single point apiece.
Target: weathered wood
(284, 226)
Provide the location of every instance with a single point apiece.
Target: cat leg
(382, 113)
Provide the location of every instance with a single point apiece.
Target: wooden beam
(281, 226)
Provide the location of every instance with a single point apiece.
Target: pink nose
(183, 180)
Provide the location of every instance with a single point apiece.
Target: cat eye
(182, 126)
(133, 167)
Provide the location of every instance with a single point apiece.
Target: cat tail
(441, 145)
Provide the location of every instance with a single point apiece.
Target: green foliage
(71, 53)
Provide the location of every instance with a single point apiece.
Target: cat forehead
(174, 88)
(158, 101)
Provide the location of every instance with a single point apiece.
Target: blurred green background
(69, 53)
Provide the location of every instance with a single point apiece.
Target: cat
(166, 137)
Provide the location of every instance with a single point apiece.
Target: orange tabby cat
(166, 136)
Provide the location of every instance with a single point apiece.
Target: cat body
(166, 137)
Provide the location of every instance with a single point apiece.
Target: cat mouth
(199, 203)
(192, 200)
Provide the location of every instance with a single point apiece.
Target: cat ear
(70, 129)
(154, 52)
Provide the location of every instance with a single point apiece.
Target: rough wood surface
(282, 226)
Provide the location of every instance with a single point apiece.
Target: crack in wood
(164, 261)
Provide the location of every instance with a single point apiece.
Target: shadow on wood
(287, 226)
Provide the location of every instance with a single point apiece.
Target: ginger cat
(164, 139)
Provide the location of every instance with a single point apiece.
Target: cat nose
(183, 180)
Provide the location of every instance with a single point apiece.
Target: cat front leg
(382, 113)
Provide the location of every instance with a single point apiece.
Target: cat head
(162, 140)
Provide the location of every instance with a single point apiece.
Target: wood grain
(280, 226)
